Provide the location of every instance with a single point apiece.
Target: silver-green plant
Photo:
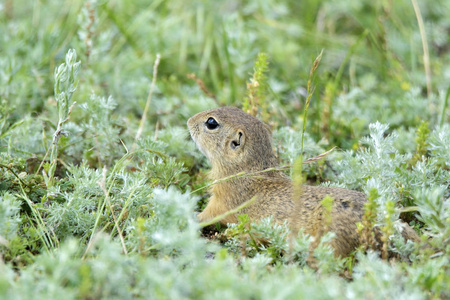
(65, 85)
(434, 210)
(9, 217)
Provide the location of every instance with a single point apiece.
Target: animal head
(232, 139)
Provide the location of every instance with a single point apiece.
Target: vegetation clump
(99, 186)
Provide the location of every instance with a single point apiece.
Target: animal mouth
(193, 130)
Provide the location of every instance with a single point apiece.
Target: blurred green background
(372, 67)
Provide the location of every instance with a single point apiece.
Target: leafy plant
(114, 216)
(65, 85)
(257, 89)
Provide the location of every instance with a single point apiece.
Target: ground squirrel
(234, 142)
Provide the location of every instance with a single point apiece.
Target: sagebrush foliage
(87, 212)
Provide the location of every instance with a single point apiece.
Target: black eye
(211, 124)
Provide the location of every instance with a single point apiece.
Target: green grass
(99, 185)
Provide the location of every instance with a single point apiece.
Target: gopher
(236, 142)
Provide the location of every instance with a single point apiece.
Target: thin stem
(230, 212)
(102, 183)
(46, 233)
(444, 106)
(426, 54)
(255, 173)
(309, 92)
(147, 104)
(14, 173)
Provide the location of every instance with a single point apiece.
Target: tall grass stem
(147, 104)
(426, 54)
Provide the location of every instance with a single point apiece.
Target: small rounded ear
(237, 141)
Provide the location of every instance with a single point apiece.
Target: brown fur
(274, 191)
